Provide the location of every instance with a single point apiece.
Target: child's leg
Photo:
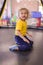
(22, 45)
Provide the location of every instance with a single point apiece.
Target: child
(23, 43)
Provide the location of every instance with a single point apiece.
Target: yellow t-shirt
(22, 26)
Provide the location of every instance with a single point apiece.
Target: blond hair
(24, 9)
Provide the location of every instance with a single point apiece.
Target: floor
(33, 57)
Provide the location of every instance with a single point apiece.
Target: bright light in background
(41, 9)
(18, 1)
(21, 0)
(28, 0)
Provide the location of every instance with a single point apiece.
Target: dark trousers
(22, 45)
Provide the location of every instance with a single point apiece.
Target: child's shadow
(23, 56)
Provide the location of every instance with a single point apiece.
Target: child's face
(23, 14)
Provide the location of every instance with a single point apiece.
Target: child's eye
(22, 13)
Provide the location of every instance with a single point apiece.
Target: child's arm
(19, 34)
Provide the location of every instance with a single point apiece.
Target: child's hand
(26, 40)
(30, 35)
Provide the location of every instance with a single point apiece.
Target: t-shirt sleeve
(19, 25)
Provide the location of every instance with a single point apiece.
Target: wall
(31, 5)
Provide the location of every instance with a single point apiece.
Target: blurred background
(9, 12)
